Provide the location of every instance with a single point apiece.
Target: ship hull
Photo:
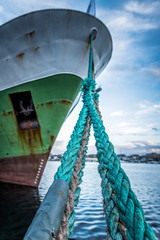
(25, 146)
(44, 56)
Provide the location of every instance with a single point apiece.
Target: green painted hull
(24, 152)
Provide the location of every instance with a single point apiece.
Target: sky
(130, 96)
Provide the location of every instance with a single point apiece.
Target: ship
(44, 56)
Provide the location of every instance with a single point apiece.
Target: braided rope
(124, 207)
(68, 220)
(124, 214)
(68, 160)
(117, 222)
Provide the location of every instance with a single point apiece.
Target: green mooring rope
(124, 214)
(120, 201)
(68, 161)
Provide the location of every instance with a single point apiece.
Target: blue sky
(130, 100)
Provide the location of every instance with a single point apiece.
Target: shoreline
(151, 158)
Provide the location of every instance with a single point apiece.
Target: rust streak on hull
(66, 102)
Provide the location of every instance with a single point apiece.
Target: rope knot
(88, 85)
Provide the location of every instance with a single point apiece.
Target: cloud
(153, 68)
(1, 9)
(147, 146)
(128, 126)
(143, 7)
(127, 130)
(145, 109)
(138, 147)
(130, 57)
(123, 124)
(128, 22)
(156, 129)
(117, 114)
(155, 71)
(59, 147)
(134, 131)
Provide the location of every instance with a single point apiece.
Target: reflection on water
(90, 220)
(18, 204)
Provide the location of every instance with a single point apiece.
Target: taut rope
(124, 214)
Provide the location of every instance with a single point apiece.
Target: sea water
(19, 204)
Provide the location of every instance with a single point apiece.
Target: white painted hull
(49, 42)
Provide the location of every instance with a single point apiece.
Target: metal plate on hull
(23, 170)
(49, 42)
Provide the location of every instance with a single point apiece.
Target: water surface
(18, 204)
